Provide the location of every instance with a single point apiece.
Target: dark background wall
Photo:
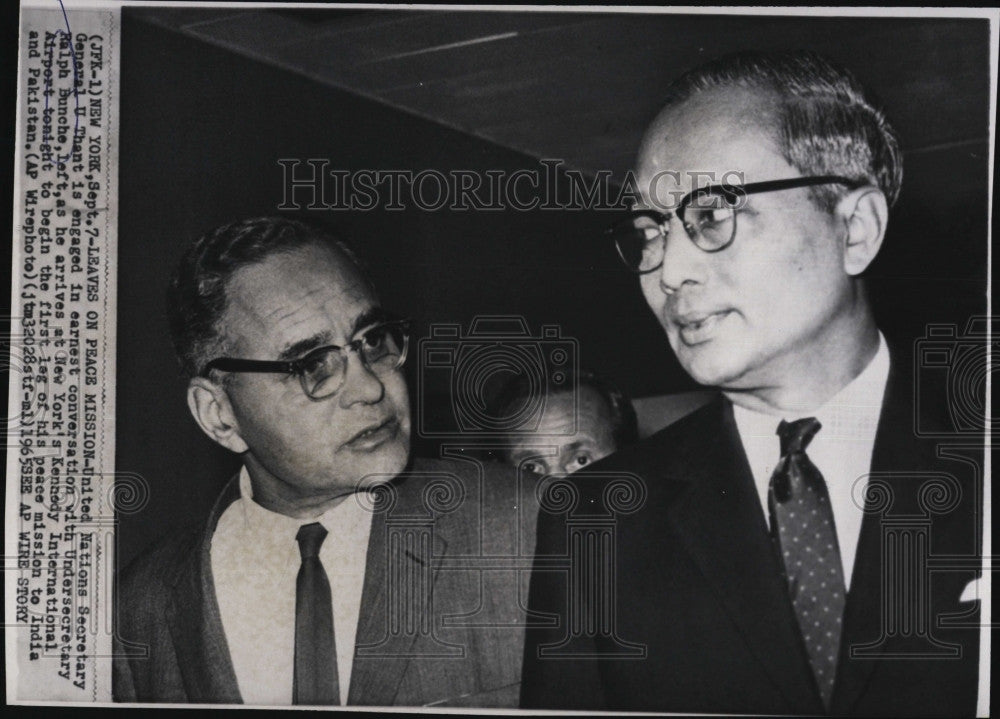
(201, 132)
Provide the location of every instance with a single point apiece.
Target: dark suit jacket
(441, 611)
(702, 620)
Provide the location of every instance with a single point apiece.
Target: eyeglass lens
(382, 349)
(639, 241)
(708, 220)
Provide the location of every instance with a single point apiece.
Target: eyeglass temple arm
(791, 183)
(227, 364)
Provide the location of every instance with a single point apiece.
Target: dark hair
(826, 123)
(196, 295)
(624, 424)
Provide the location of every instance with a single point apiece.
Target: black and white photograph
(612, 359)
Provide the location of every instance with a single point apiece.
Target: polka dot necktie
(315, 674)
(802, 520)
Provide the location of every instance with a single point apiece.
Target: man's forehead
(292, 296)
(585, 406)
(695, 136)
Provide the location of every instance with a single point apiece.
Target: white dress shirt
(255, 562)
(841, 450)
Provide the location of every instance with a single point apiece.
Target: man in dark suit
(793, 547)
(333, 569)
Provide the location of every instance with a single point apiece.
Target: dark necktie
(802, 520)
(315, 679)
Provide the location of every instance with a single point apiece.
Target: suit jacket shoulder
(499, 504)
(143, 586)
(169, 644)
(666, 463)
(465, 531)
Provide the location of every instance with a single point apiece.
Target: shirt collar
(264, 521)
(851, 413)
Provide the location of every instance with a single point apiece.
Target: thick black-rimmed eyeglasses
(382, 348)
(707, 214)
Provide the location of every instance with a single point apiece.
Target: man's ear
(211, 409)
(866, 214)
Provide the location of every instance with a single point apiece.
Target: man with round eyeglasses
(763, 574)
(320, 576)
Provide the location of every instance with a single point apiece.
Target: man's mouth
(698, 328)
(374, 435)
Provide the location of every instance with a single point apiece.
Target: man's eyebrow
(369, 317)
(297, 349)
(321, 339)
(534, 450)
(580, 443)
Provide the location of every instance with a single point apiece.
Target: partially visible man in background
(576, 428)
(317, 577)
(779, 564)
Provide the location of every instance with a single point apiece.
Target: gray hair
(196, 295)
(826, 123)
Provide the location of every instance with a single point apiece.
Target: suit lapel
(896, 450)
(861, 617)
(722, 525)
(195, 624)
(395, 567)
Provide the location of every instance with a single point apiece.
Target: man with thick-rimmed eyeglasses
(768, 571)
(321, 576)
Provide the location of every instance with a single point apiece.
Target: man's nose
(361, 385)
(683, 263)
(551, 466)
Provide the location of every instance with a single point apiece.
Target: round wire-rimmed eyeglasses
(707, 214)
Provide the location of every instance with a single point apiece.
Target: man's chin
(383, 465)
(710, 369)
